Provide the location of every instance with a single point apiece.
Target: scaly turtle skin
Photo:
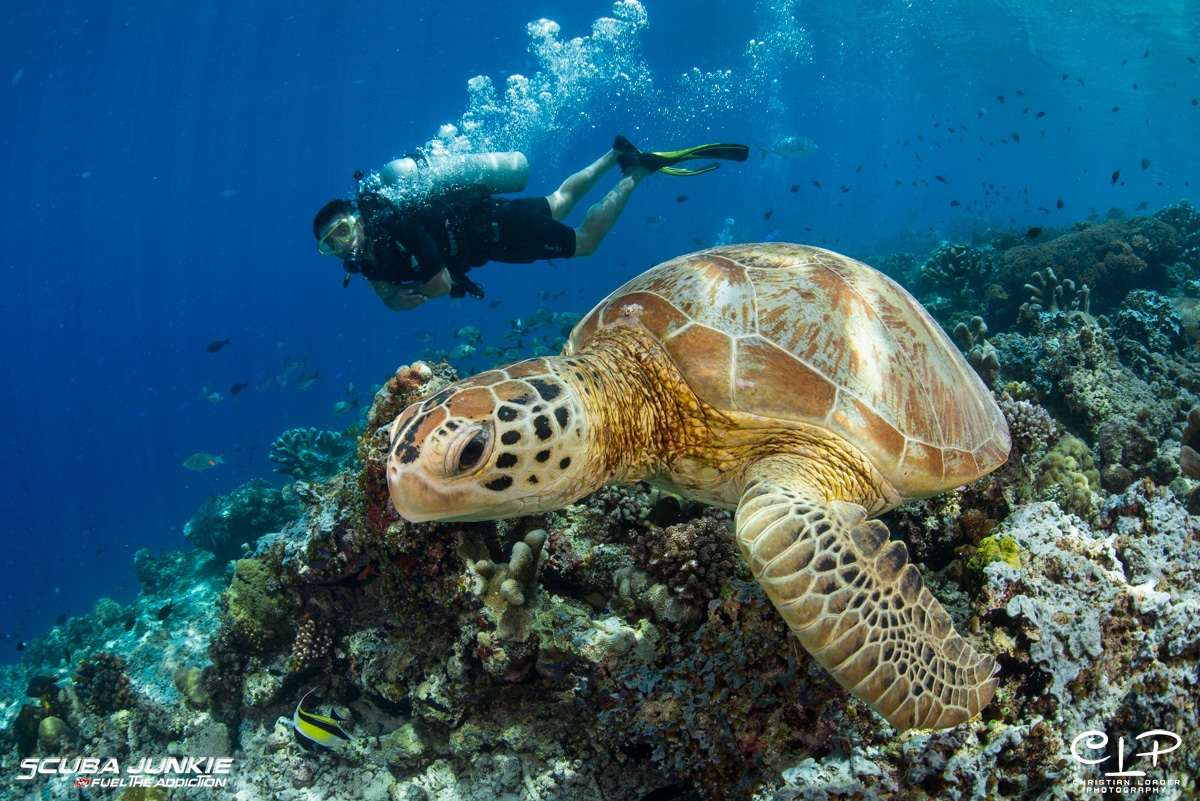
(802, 388)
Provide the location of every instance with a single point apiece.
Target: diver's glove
(629, 157)
(461, 288)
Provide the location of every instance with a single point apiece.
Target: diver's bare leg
(601, 217)
(579, 184)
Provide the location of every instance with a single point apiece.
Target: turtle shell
(805, 335)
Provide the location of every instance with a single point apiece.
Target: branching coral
(306, 453)
(1028, 423)
(695, 560)
(103, 683)
(311, 645)
(981, 354)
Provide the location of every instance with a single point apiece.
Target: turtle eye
(469, 451)
(473, 452)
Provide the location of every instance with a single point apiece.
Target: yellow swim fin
(629, 157)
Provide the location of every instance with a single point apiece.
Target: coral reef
(1105, 257)
(616, 648)
(225, 524)
(309, 454)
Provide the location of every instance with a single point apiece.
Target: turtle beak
(419, 500)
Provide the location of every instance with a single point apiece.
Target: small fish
(352, 431)
(22, 645)
(306, 381)
(290, 366)
(790, 146)
(216, 345)
(461, 352)
(1145, 164)
(1146, 54)
(941, 179)
(698, 241)
(341, 407)
(772, 236)
(165, 612)
(955, 203)
(1191, 60)
(1016, 137)
(130, 623)
(1041, 114)
(469, 333)
(202, 461)
(1060, 203)
(1116, 176)
(1141, 206)
(767, 216)
(313, 730)
(654, 221)
(1000, 98)
(214, 397)
(238, 387)
(858, 169)
(424, 336)
(494, 303)
(817, 184)
(1034, 232)
(61, 619)
(795, 188)
(681, 198)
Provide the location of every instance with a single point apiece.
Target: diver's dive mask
(338, 237)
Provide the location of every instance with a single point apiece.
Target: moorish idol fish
(313, 730)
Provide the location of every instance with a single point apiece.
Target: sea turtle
(803, 388)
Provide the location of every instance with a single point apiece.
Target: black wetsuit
(455, 230)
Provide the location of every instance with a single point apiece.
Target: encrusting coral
(1068, 475)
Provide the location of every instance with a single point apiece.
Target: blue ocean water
(162, 163)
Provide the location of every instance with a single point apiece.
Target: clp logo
(82, 781)
(1097, 740)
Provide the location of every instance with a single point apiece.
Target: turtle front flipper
(856, 603)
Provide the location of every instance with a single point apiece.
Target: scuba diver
(410, 252)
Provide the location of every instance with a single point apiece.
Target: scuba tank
(416, 172)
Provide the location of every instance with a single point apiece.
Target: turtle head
(503, 443)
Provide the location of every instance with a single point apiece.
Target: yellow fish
(202, 461)
(313, 730)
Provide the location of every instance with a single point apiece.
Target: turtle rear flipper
(856, 603)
